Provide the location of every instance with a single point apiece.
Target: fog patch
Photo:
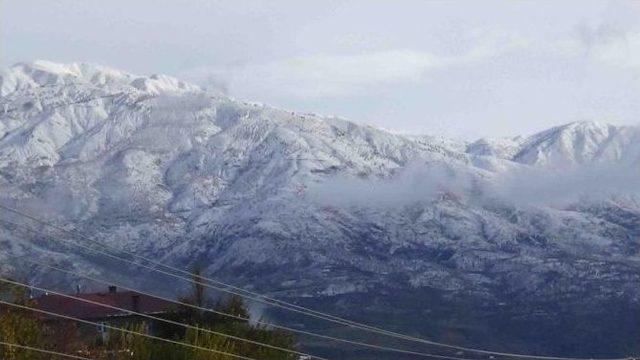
(521, 186)
(417, 182)
(210, 79)
(594, 183)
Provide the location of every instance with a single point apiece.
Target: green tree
(238, 325)
(189, 314)
(208, 341)
(19, 326)
(125, 345)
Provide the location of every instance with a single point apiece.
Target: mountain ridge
(321, 209)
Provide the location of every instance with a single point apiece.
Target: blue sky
(458, 68)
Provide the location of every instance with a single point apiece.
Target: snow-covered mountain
(571, 144)
(428, 236)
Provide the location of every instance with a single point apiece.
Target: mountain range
(525, 244)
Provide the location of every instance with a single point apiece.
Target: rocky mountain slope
(499, 243)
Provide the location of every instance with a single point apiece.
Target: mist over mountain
(527, 243)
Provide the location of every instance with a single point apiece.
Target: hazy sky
(459, 68)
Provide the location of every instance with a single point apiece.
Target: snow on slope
(503, 148)
(580, 143)
(572, 144)
(179, 153)
(161, 167)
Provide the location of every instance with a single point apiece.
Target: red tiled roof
(78, 309)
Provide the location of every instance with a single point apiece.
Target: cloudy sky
(457, 68)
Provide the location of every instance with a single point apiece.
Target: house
(126, 300)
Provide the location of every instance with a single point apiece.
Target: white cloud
(324, 75)
(520, 186)
(332, 75)
(545, 186)
(622, 51)
(607, 45)
(416, 182)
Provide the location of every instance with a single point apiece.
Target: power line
(303, 332)
(236, 290)
(151, 317)
(209, 331)
(267, 301)
(352, 342)
(136, 333)
(260, 298)
(274, 302)
(43, 351)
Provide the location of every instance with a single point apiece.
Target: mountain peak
(584, 126)
(575, 143)
(46, 73)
